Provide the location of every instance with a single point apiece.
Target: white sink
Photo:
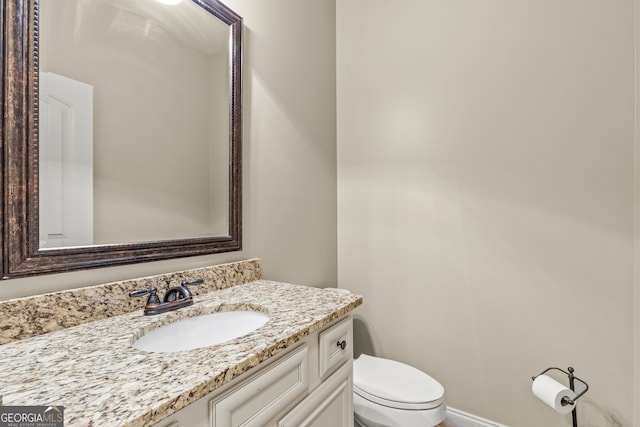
(201, 331)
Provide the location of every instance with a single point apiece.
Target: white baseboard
(457, 418)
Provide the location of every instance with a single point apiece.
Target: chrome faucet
(176, 297)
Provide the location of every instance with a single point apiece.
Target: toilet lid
(394, 384)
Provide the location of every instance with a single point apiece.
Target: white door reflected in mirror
(66, 162)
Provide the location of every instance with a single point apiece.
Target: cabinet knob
(342, 344)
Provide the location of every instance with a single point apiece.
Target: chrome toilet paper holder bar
(572, 379)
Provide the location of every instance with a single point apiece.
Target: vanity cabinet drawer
(261, 397)
(335, 346)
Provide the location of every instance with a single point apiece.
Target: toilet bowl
(387, 393)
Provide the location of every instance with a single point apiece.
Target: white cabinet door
(264, 395)
(253, 401)
(186, 419)
(331, 404)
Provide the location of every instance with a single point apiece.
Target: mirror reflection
(133, 122)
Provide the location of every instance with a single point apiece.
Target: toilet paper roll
(551, 392)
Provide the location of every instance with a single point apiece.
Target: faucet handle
(185, 290)
(152, 292)
(193, 282)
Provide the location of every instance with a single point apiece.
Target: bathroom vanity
(310, 384)
(295, 370)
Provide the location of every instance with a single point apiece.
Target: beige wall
(485, 195)
(636, 377)
(289, 153)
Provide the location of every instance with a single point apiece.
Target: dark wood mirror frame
(19, 151)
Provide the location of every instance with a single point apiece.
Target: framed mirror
(121, 132)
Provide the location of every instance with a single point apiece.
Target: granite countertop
(93, 371)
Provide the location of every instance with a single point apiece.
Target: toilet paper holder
(572, 379)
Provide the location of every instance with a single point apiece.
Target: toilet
(387, 393)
